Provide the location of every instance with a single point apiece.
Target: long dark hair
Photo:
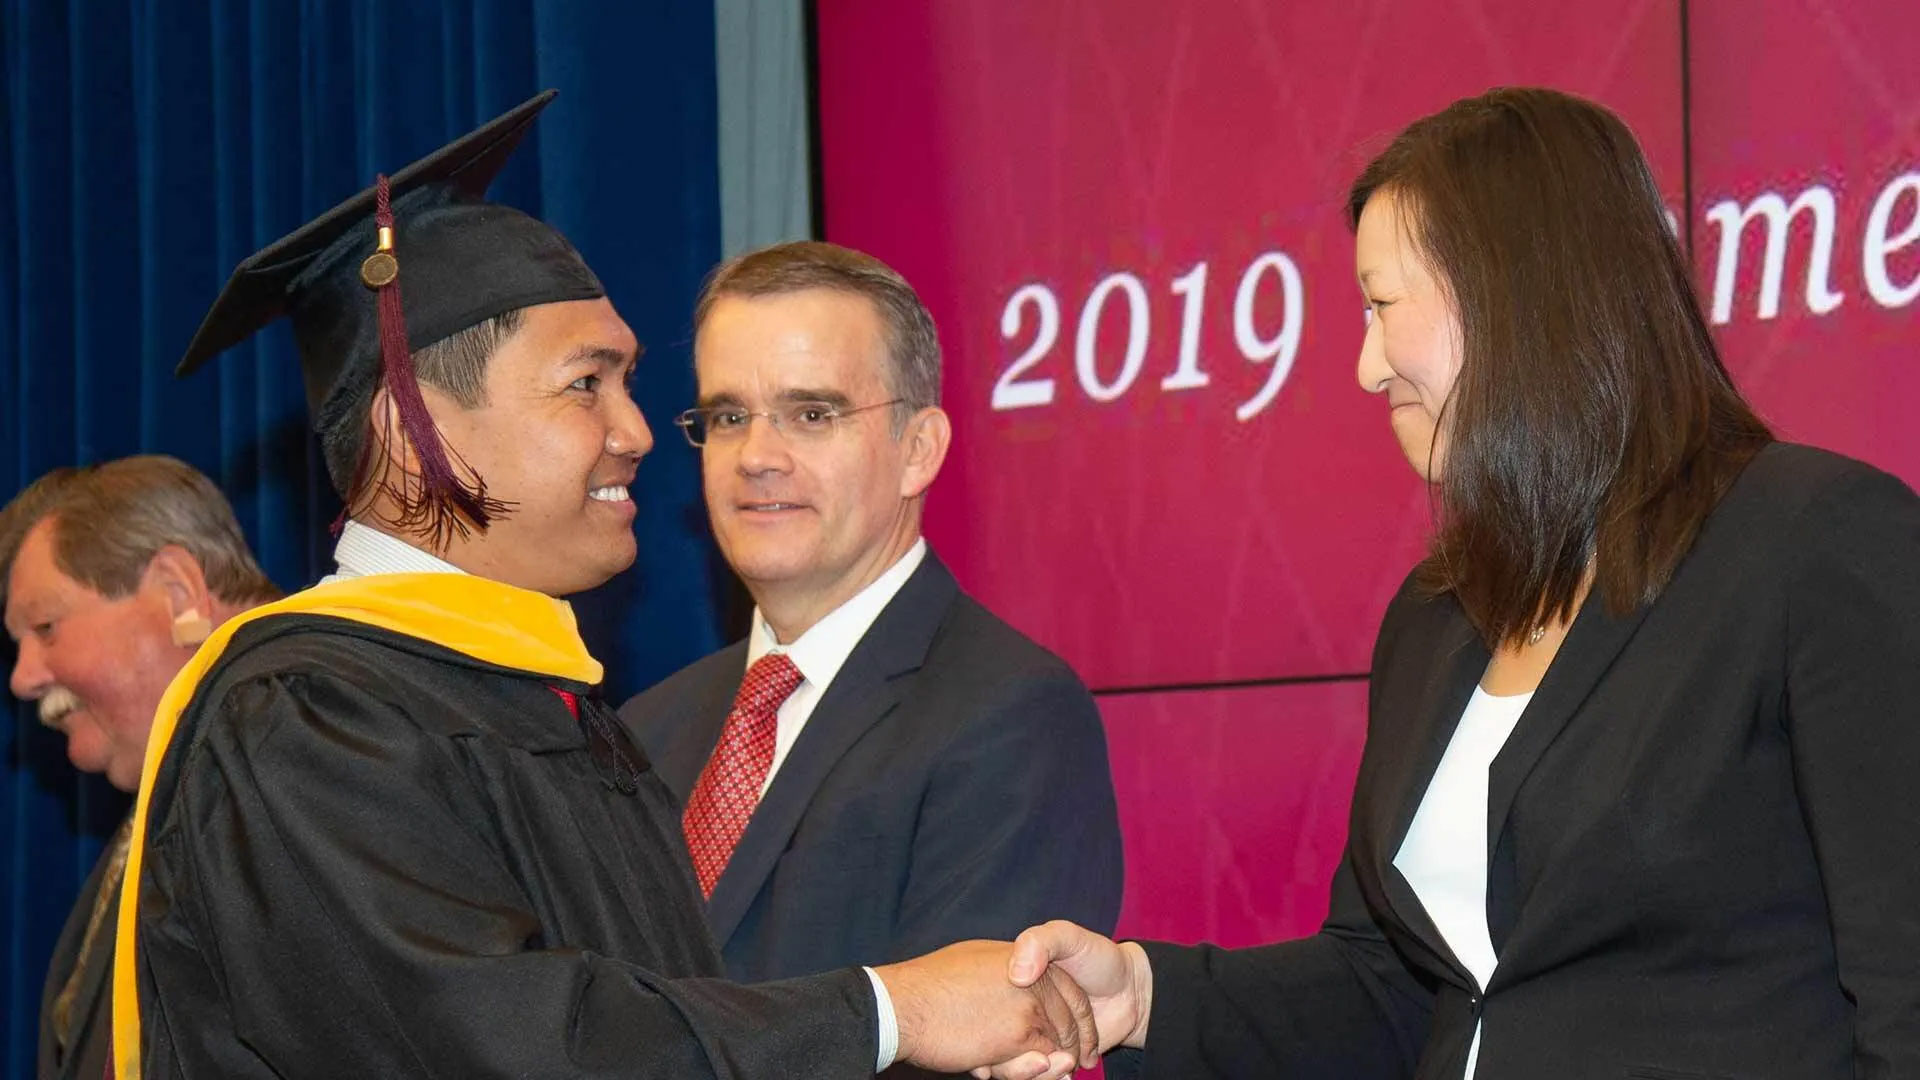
(1592, 419)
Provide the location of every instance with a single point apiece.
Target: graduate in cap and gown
(387, 826)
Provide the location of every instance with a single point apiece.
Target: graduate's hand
(1116, 977)
(957, 1009)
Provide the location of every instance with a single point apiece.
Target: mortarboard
(451, 261)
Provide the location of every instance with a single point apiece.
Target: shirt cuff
(889, 1024)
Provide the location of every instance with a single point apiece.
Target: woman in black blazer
(1641, 788)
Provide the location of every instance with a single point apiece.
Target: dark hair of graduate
(359, 460)
(1592, 421)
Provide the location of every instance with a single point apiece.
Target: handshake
(1054, 1000)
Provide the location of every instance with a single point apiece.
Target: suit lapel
(1593, 642)
(1462, 660)
(92, 968)
(1435, 704)
(89, 1005)
(679, 758)
(861, 693)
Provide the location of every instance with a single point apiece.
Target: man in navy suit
(883, 766)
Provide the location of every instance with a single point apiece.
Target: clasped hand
(1052, 1001)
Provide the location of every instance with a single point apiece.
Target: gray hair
(110, 519)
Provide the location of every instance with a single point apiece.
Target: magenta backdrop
(1235, 806)
(984, 147)
(1823, 95)
(1168, 474)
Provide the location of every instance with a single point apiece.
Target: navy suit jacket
(952, 783)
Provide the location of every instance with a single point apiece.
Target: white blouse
(1444, 856)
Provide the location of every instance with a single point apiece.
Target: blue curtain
(148, 146)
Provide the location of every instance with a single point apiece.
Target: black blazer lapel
(861, 693)
(1433, 706)
(1592, 643)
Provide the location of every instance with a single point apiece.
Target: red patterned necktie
(729, 787)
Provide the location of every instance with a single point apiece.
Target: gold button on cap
(379, 269)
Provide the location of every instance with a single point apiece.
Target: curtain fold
(149, 146)
(766, 164)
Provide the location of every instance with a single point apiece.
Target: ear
(927, 436)
(175, 576)
(389, 439)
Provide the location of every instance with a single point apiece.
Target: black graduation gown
(368, 855)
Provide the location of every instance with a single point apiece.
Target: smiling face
(808, 522)
(97, 666)
(1411, 351)
(558, 437)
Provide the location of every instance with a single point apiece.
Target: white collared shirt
(822, 651)
(1444, 854)
(364, 551)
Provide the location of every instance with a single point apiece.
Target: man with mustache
(111, 576)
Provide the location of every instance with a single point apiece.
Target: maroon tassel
(439, 502)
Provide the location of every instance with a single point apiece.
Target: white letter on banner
(1281, 347)
(1873, 260)
(1010, 392)
(1192, 287)
(1732, 219)
(1084, 357)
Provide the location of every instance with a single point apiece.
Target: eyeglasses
(802, 421)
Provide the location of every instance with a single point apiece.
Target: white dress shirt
(823, 649)
(1444, 856)
(363, 551)
(820, 653)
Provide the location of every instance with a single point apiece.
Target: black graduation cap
(449, 261)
